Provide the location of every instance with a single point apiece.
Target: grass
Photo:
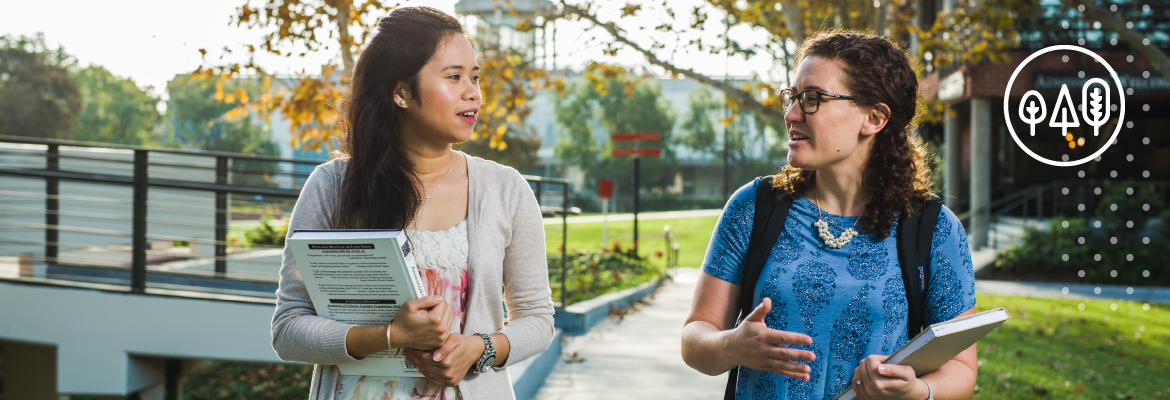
(1051, 348)
(692, 234)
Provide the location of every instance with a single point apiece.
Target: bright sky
(153, 40)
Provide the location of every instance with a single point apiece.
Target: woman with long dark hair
(474, 225)
(830, 303)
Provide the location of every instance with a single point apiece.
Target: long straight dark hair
(380, 186)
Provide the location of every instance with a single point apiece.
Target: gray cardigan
(507, 264)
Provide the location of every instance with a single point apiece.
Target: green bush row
(1068, 249)
(594, 273)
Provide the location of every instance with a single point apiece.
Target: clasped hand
(880, 381)
(422, 328)
(447, 365)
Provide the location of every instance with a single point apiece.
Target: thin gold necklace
(449, 165)
(823, 227)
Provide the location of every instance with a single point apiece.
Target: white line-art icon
(1094, 105)
(1063, 109)
(1120, 106)
(1032, 119)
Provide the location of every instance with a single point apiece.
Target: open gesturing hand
(758, 347)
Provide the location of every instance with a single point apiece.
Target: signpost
(604, 191)
(637, 153)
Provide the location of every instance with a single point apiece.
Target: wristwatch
(488, 359)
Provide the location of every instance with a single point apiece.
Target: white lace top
(442, 249)
(442, 259)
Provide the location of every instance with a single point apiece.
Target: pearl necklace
(823, 227)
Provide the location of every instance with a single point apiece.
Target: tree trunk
(795, 21)
(345, 39)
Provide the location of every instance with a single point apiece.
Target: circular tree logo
(1095, 109)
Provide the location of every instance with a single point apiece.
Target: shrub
(1041, 256)
(265, 233)
(1164, 227)
(594, 273)
(244, 380)
(1123, 206)
(1043, 251)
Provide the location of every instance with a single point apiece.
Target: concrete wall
(109, 343)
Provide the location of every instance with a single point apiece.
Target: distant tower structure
(495, 23)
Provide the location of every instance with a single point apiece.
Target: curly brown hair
(896, 174)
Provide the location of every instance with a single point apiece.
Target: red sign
(637, 152)
(605, 188)
(636, 137)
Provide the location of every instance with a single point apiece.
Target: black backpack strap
(767, 224)
(915, 234)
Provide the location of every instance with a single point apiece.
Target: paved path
(641, 216)
(636, 358)
(1074, 291)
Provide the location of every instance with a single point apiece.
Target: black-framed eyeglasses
(810, 99)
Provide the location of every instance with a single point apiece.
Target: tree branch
(741, 97)
(1111, 22)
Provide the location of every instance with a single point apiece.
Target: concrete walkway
(638, 357)
(641, 216)
(1074, 291)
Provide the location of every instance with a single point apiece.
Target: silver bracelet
(929, 390)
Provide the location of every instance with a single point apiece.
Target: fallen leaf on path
(574, 358)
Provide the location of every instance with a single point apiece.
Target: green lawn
(692, 234)
(1052, 349)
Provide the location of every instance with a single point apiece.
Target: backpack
(914, 235)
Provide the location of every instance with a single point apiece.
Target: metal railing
(672, 248)
(1069, 197)
(96, 203)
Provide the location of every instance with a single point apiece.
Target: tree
(311, 103)
(37, 96)
(197, 118)
(743, 140)
(519, 151)
(971, 33)
(619, 101)
(115, 110)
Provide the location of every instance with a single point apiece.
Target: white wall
(108, 343)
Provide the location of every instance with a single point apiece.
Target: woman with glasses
(830, 303)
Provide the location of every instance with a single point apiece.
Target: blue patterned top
(850, 300)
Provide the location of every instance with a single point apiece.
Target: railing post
(1025, 205)
(1055, 202)
(564, 243)
(636, 163)
(674, 260)
(138, 257)
(52, 204)
(539, 193)
(221, 216)
(1040, 202)
(666, 234)
(1083, 195)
